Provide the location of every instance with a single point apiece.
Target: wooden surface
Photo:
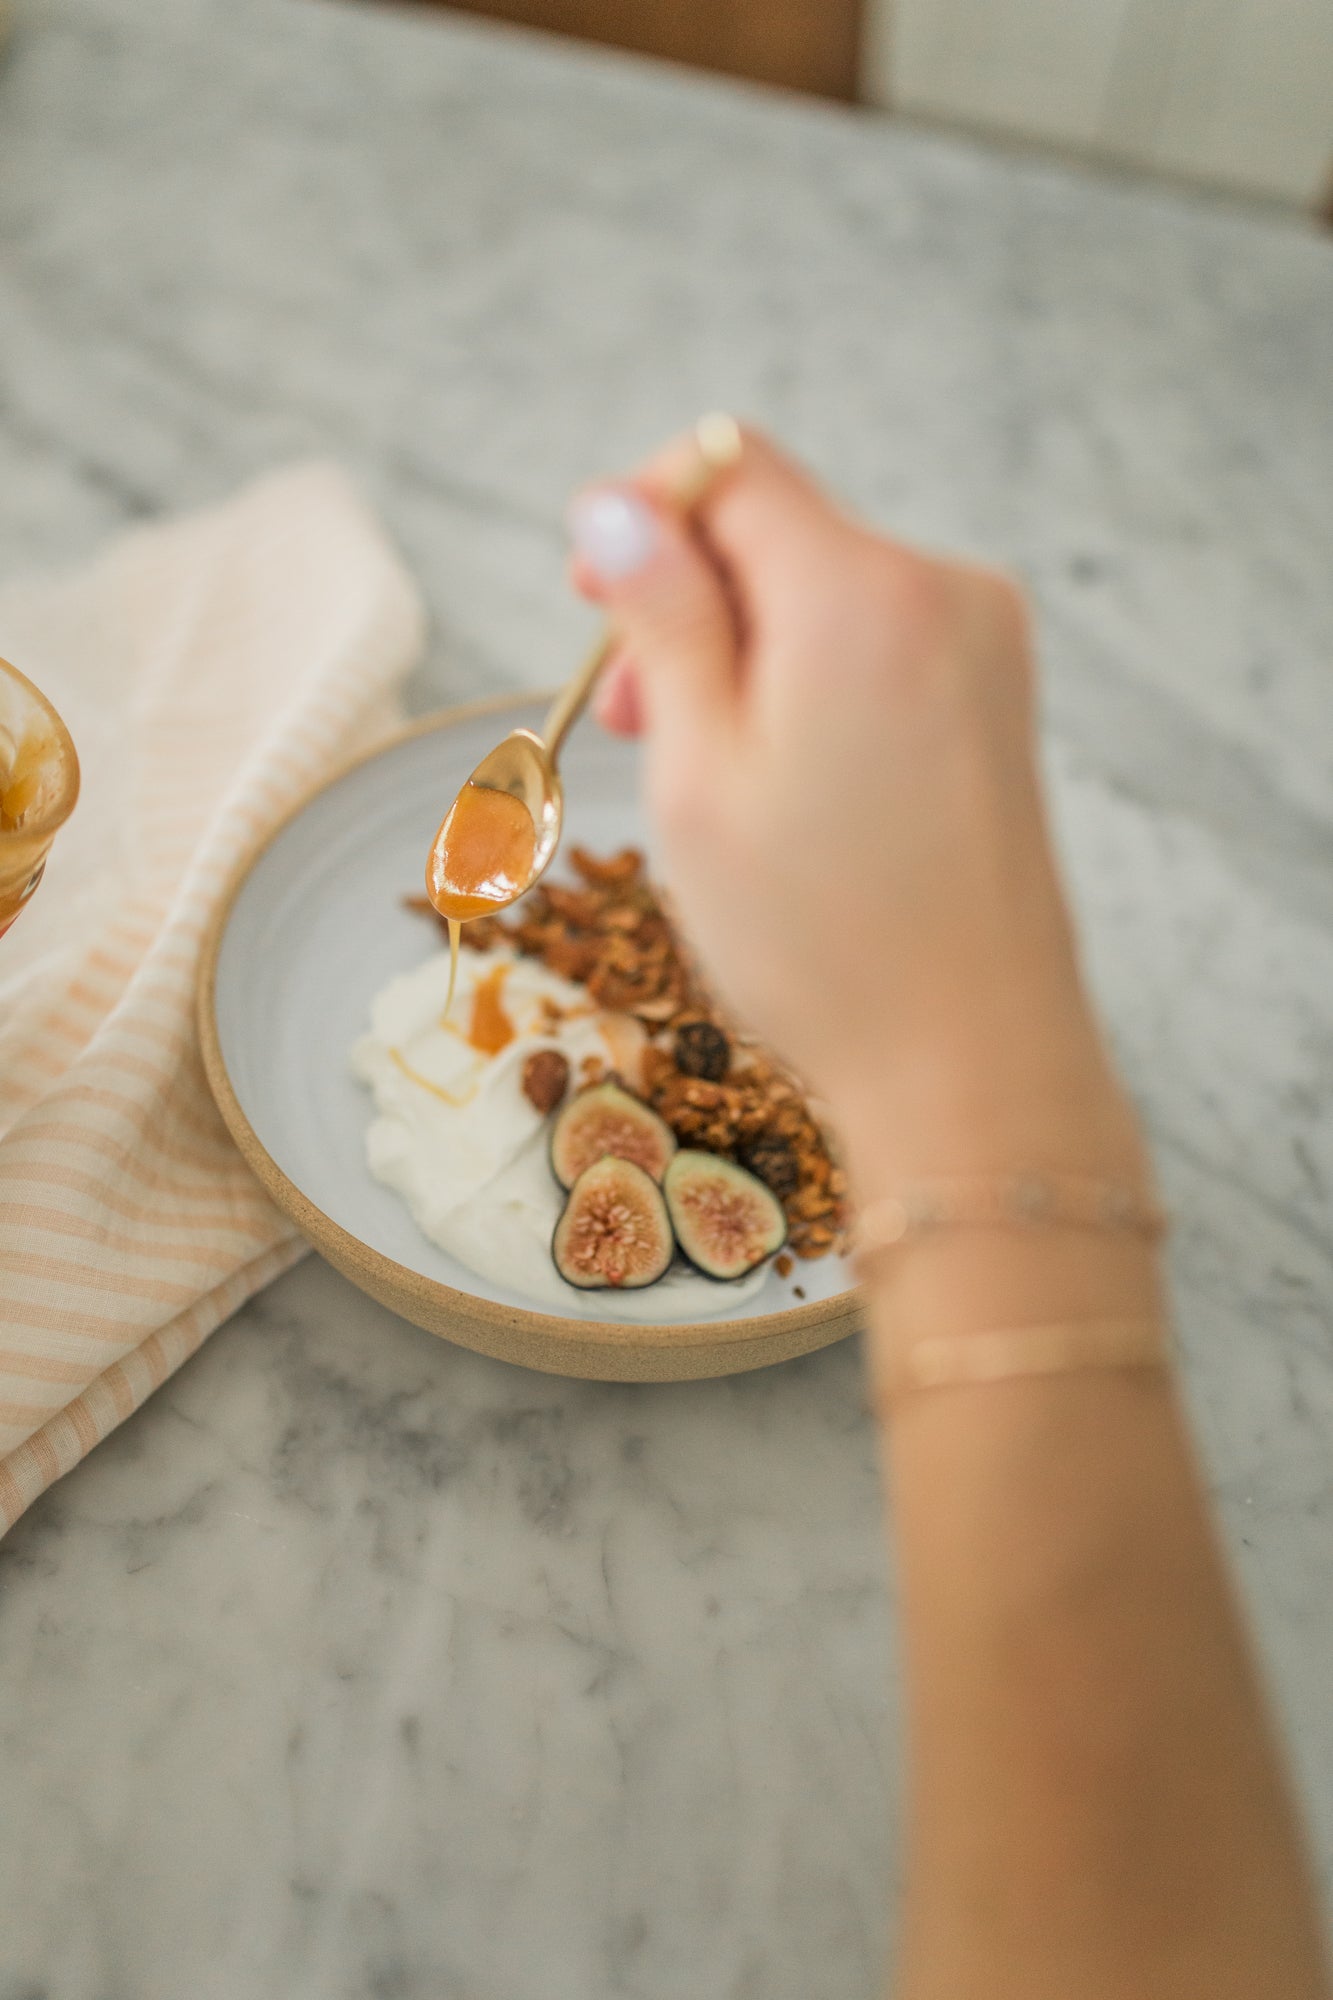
(811, 45)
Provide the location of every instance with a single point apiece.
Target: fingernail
(614, 531)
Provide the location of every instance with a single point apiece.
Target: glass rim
(62, 805)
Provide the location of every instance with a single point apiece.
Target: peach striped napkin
(210, 670)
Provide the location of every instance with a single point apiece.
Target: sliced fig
(614, 1230)
(726, 1221)
(606, 1119)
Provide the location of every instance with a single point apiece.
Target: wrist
(958, 1283)
(953, 1113)
(951, 1110)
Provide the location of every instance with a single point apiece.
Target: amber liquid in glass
(27, 771)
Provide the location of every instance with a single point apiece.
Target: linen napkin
(210, 670)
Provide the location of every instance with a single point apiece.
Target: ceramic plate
(308, 932)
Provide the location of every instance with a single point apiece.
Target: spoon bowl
(521, 766)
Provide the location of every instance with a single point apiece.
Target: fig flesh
(726, 1220)
(614, 1231)
(606, 1119)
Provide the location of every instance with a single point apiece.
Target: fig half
(606, 1119)
(726, 1221)
(614, 1231)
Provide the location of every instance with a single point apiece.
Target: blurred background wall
(805, 44)
(1233, 93)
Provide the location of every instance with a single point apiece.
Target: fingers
(688, 598)
(667, 603)
(765, 518)
(762, 467)
(618, 705)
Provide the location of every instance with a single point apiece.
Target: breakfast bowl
(308, 932)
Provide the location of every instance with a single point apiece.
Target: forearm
(1096, 1805)
(841, 761)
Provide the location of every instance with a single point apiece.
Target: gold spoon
(524, 764)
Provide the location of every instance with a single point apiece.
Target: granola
(718, 1089)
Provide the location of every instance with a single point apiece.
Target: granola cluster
(717, 1089)
(610, 934)
(756, 1114)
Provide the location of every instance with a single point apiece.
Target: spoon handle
(568, 705)
(718, 444)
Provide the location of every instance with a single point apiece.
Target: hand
(840, 759)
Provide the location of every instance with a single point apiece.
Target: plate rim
(553, 1343)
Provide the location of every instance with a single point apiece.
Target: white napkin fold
(210, 670)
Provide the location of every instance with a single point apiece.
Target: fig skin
(614, 1231)
(727, 1222)
(607, 1119)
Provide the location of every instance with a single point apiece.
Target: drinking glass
(39, 783)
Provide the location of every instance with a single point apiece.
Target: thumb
(667, 604)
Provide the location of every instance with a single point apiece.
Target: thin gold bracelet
(1002, 1354)
(1013, 1201)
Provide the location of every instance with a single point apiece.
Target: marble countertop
(359, 1666)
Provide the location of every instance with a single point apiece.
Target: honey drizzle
(400, 1062)
(455, 939)
(491, 1028)
(481, 861)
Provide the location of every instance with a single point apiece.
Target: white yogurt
(459, 1141)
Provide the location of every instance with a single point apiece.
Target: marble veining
(360, 1666)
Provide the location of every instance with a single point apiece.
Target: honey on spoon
(481, 861)
(501, 832)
